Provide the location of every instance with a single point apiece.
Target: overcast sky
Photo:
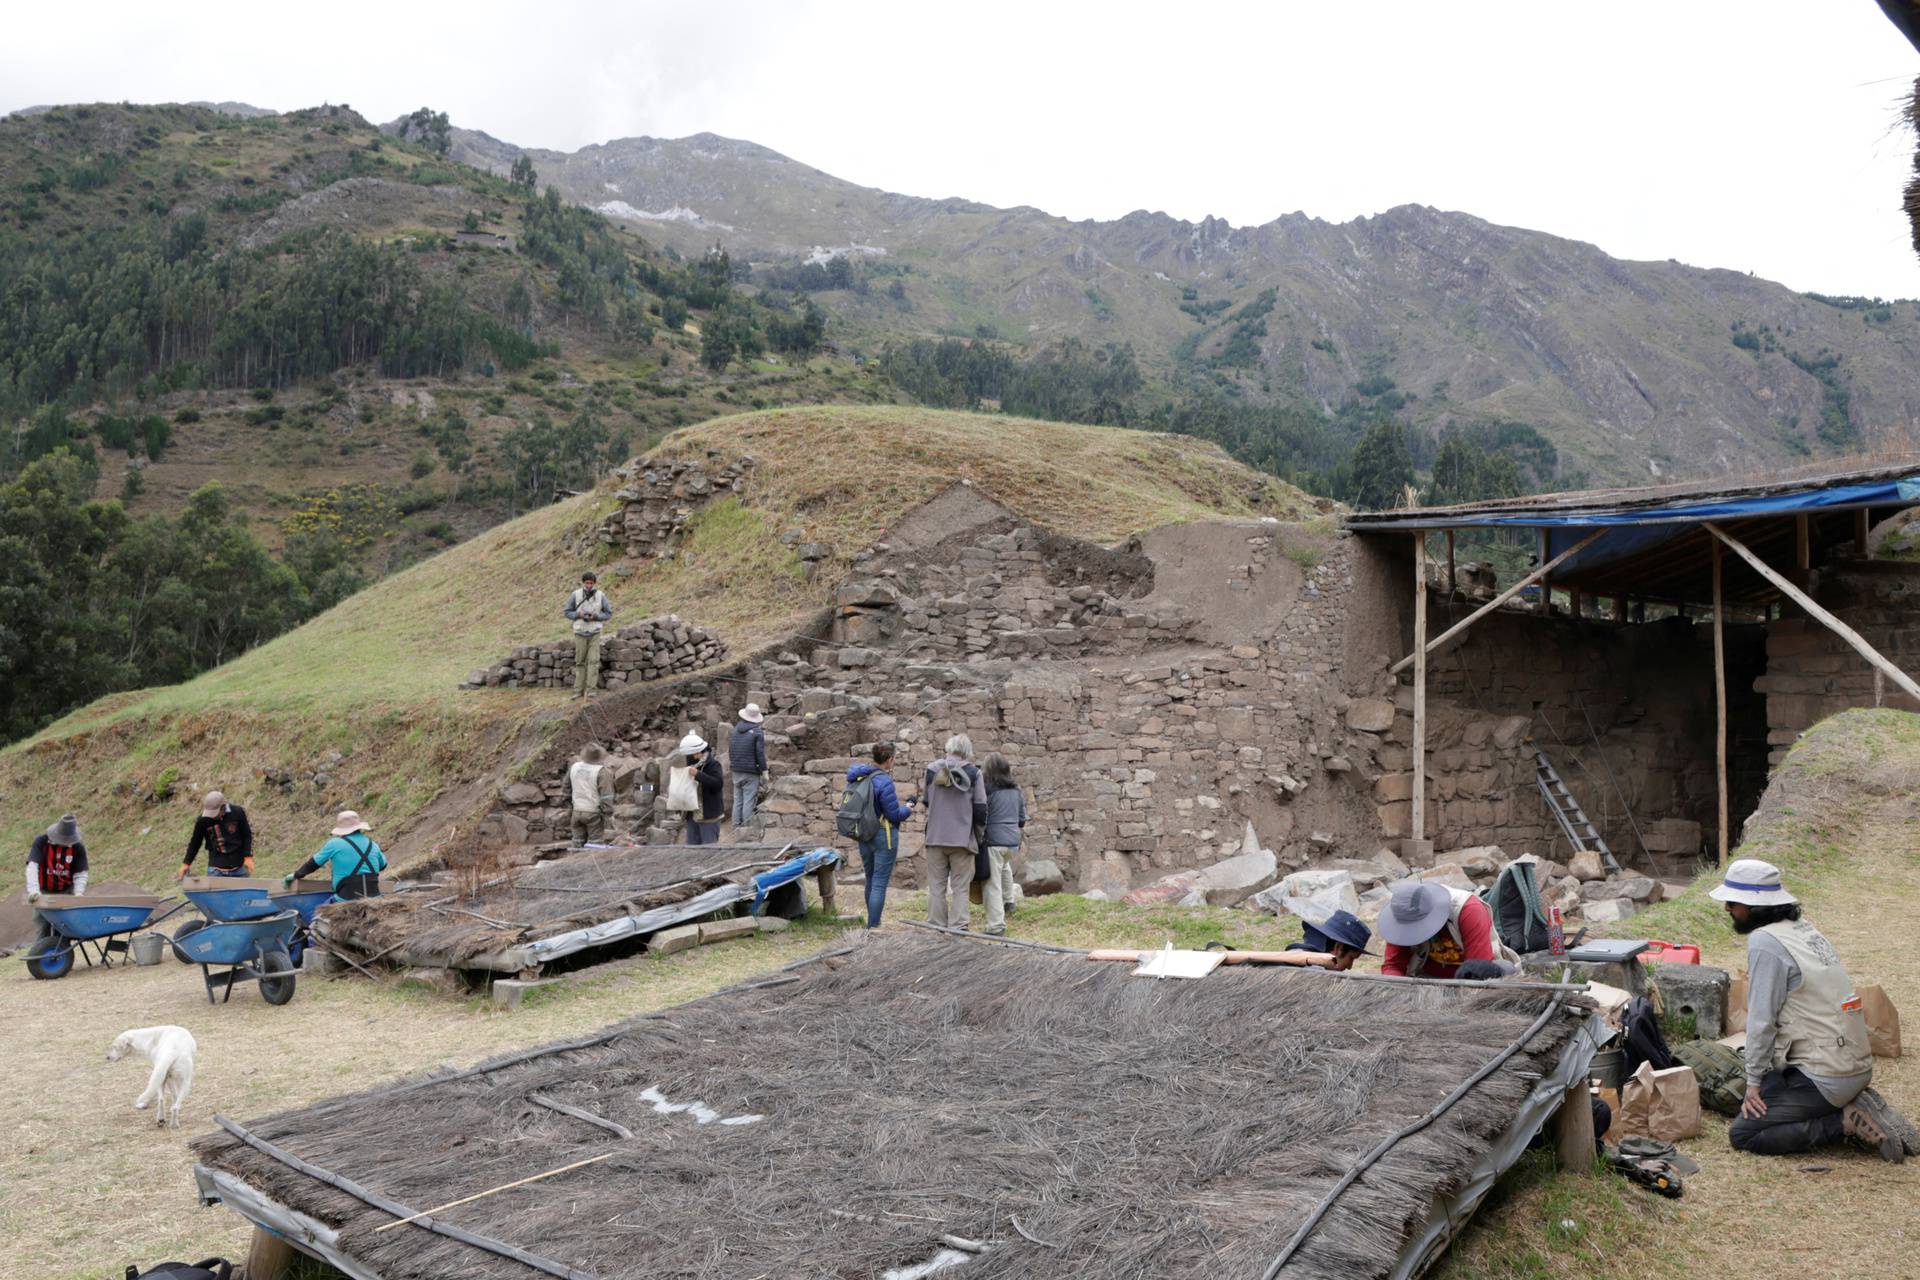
(1762, 135)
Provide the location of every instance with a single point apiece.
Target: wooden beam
(1538, 575)
(1546, 583)
(1573, 1138)
(1573, 601)
(1814, 611)
(1451, 585)
(1860, 522)
(1720, 695)
(1420, 686)
(1802, 543)
(1620, 606)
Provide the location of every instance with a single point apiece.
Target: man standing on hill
(223, 828)
(747, 757)
(1809, 1065)
(588, 609)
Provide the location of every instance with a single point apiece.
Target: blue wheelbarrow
(234, 898)
(89, 926)
(253, 950)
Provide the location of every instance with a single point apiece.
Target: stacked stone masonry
(659, 497)
(1811, 673)
(650, 650)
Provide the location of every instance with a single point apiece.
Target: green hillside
(374, 678)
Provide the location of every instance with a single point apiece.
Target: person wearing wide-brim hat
(351, 858)
(709, 781)
(1809, 1063)
(1341, 935)
(57, 860)
(747, 757)
(1431, 930)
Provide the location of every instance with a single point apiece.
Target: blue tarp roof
(1885, 493)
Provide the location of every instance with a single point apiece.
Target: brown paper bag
(1660, 1104)
(1883, 1021)
(1737, 1004)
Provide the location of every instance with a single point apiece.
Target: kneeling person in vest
(1807, 1057)
(350, 857)
(1431, 931)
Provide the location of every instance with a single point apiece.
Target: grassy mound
(374, 679)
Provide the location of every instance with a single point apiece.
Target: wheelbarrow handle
(168, 914)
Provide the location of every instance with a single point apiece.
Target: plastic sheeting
(1425, 1245)
(789, 871)
(528, 954)
(311, 1237)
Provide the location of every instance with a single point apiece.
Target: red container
(1658, 952)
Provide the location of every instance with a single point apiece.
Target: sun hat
(691, 743)
(1342, 927)
(348, 823)
(592, 753)
(752, 713)
(65, 831)
(1753, 882)
(1415, 913)
(213, 804)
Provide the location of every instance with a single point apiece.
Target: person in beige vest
(1809, 1067)
(590, 780)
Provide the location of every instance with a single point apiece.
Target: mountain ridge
(1636, 369)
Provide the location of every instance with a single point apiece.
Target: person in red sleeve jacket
(1431, 930)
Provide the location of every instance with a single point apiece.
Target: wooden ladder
(1574, 823)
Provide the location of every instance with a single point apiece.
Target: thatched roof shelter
(533, 915)
(912, 1098)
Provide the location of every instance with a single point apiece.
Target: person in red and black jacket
(1432, 931)
(223, 828)
(57, 863)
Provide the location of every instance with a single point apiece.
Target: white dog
(170, 1050)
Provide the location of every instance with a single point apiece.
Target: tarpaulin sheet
(789, 871)
(1880, 493)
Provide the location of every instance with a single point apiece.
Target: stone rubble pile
(659, 496)
(643, 651)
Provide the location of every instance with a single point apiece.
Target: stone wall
(651, 650)
(659, 496)
(1812, 673)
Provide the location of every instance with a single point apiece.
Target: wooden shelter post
(1546, 583)
(1620, 607)
(1451, 585)
(1573, 1136)
(1720, 696)
(1802, 543)
(1860, 522)
(1538, 575)
(1419, 826)
(1806, 602)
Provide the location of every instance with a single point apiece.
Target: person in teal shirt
(351, 858)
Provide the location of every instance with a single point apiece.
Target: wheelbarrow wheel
(276, 977)
(180, 935)
(49, 958)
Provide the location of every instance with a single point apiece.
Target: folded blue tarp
(789, 871)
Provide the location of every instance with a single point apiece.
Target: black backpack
(205, 1269)
(856, 819)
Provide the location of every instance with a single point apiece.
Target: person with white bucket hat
(1809, 1065)
(698, 769)
(351, 858)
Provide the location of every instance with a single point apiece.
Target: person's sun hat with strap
(1753, 882)
(349, 823)
(1417, 911)
(752, 713)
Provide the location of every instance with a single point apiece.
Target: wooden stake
(1802, 543)
(1420, 686)
(481, 1195)
(1860, 521)
(1538, 575)
(1805, 601)
(269, 1256)
(1573, 601)
(1573, 1130)
(1451, 585)
(1720, 696)
(1620, 608)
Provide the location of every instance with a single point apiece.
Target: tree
(717, 342)
(523, 175)
(1382, 467)
(1463, 472)
(430, 128)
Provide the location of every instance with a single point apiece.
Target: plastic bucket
(147, 948)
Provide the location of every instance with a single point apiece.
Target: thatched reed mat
(926, 1086)
(568, 893)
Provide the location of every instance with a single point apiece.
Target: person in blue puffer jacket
(878, 855)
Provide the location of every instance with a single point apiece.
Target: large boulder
(1696, 990)
(1239, 877)
(1586, 865)
(1313, 894)
(1041, 876)
(1479, 862)
(1449, 875)
(1608, 910)
(1370, 715)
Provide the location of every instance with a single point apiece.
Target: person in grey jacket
(1006, 814)
(955, 799)
(747, 757)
